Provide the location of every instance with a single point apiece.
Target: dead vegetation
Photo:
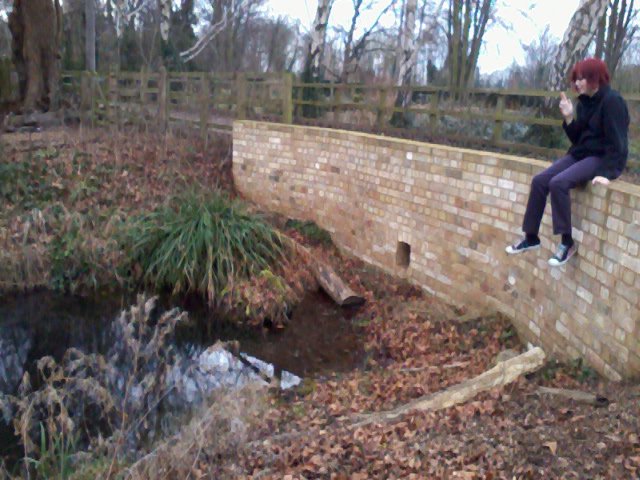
(65, 193)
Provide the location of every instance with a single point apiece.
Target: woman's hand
(566, 108)
(601, 181)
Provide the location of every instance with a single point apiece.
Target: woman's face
(583, 87)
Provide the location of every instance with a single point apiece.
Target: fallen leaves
(552, 446)
(413, 349)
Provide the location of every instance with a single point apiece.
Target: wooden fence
(508, 120)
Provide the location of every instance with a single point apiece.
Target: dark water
(319, 339)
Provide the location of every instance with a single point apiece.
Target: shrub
(202, 244)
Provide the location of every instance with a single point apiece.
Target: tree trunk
(74, 34)
(406, 60)
(36, 28)
(406, 55)
(575, 42)
(316, 46)
(467, 25)
(90, 37)
(327, 277)
(165, 18)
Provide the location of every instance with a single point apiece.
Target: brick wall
(452, 212)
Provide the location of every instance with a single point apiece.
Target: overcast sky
(501, 46)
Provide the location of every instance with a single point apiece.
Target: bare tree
(576, 40)
(355, 48)
(616, 32)
(227, 19)
(536, 68)
(36, 29)
(165, 18)
(412, 43)
(467, 24)
(406, 54)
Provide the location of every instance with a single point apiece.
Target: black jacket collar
(597, 97)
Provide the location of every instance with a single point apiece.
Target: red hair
(593, 70)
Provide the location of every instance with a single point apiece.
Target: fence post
(337, 100)
(287, 98)
(93, 97)
(382, 107)
(297, 107)
(497, 124)
(112, 96)
(143, 83)
(434, 113)
(163, 87)
(6, 87)
(241, 96)
(85, 90)
(204, 105)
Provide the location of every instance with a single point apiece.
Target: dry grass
(215, 434)
(66, 193)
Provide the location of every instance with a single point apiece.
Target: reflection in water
(319, 339)
(15, 345)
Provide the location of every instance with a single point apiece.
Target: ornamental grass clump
(201, 244)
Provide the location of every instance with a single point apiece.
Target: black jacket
(600, 129)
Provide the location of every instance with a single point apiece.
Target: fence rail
(511, 120)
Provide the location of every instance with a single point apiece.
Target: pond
(320, 338)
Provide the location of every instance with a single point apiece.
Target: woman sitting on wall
(598, 152)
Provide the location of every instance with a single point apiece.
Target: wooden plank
(128, 92)
(497, 124)
(129, 75)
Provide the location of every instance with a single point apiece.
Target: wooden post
(382, 108)
(300, 97)
(93, 97)
(241, 96)
(204, 99)
(337, 100)
(497, 124)
(287, 98)
(112, 96)
(85, 91)
(163, 86)
(143, 83)
(434, 113)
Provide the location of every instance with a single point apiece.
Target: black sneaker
(562, 255)
(523, 246)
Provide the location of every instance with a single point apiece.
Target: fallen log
(435, 368)
(335, 287)
(326, 277)
(576, 395)
(502, 374)
(34, 120)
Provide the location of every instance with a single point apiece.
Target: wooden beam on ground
(502, 374)
(576, 395)
(327, 277)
